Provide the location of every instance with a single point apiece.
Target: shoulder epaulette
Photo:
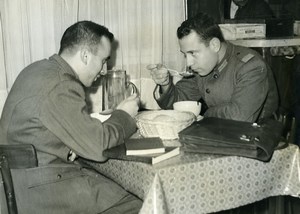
(247, 57)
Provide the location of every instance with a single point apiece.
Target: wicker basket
(163, 123)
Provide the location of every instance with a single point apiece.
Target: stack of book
(147, 150)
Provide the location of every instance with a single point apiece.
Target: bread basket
(163, 123)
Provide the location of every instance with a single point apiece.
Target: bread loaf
(163, 117)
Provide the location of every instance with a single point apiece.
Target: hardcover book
(119, 152)
(144, 146)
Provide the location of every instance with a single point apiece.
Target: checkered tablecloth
(197, 183)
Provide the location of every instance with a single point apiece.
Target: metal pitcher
(116, 88)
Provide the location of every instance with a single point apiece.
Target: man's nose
(189, 61)
(103, 72)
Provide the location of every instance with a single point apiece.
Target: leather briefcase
(229, 137)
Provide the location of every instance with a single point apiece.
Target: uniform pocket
(65, 188)
(52, 174)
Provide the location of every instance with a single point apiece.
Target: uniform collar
(66, 68)
(223, 63)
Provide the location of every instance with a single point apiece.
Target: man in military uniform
(46, 107)
(234, 82)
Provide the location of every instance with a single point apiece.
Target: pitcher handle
(134, 89)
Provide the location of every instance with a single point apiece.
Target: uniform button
(207, 90)
(216, 76)
(59, 176)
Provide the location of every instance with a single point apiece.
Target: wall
(145, 31)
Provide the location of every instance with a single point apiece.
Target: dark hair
(84, 33)
(204, 25)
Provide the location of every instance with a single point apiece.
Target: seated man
(46, 107)
(234, 82)
(247, 9)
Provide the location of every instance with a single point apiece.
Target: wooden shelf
(264, 43)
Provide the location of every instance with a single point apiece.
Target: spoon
(184, 74)
(173, 72)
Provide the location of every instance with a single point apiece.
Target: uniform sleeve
(64, 114)
(249, 94)
(185, 89)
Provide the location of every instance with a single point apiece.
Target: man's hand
(160, 74)
(130, 105)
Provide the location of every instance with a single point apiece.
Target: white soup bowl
(189, 106)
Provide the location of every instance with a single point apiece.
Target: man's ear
(84, 56)
(215, 44)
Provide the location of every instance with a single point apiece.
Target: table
(197, 183)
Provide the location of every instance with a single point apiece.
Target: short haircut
(84, 33)
(204, 25)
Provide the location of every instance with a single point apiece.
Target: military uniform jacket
(241, 87)
(46, 107)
